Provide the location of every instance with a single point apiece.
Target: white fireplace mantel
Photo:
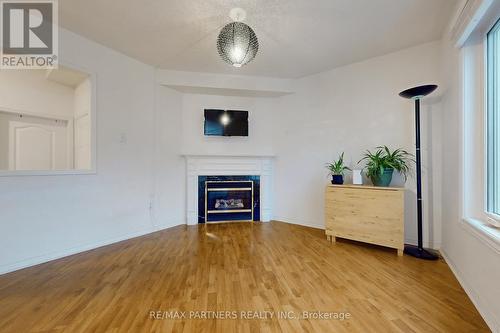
(229, 165)
(200, 155)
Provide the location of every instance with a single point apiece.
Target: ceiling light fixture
(237, 42)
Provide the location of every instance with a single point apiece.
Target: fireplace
(200, 168)
(228, 199)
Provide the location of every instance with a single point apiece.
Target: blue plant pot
(383, 180)
(337, 179)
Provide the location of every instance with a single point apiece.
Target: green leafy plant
(338, 168)
(383, 159)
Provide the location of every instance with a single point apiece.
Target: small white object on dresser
(357, 178)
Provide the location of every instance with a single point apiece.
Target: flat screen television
(226, 123)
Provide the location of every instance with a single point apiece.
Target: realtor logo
(29, 34)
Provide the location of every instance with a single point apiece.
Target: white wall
(170, 169)
(29, 91)
(260, 125)
(474, 262)
(351, 109)
(51, 216)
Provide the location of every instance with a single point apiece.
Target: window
(480, 97)
(47, 122)
(493, 120)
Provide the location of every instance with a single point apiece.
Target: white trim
(483, 309)
(493, 219)
(487, 234)
(93, 116)
(34, 114)
(462, 133)
(468, 19)
(194, 155)
(473, 160)
(21, 173)
(74, 250)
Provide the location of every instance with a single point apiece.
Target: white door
(36, 145)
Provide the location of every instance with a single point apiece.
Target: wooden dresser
(367, 214)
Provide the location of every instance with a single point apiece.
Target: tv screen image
(226, 123)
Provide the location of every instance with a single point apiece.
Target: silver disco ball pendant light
(237, 42)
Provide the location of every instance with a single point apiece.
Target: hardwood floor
(273, 267)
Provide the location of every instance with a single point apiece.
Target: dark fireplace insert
(228, 198)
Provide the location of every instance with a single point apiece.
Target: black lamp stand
(417, 94)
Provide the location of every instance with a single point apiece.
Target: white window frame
(492, 218)
(93, 143)
(474, 124)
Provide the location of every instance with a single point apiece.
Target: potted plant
(337, 170)
(381, 164)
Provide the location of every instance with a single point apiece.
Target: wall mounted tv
(226, 123)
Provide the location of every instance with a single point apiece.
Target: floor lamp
(417, 94)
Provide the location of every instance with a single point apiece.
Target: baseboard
(304, 224)
(428, 245)
(33, 261)
(488, 316)
(171, 225)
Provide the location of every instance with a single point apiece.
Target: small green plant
(383, 159)
(338, 168)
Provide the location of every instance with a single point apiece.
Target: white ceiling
(297, 37)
